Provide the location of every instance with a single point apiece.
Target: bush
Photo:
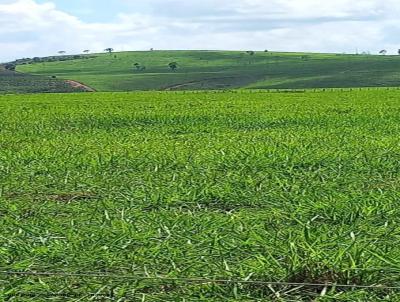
(10, 66)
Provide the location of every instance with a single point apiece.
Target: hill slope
(14, 82)
(223, 70)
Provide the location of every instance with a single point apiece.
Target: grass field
(224, 70)
(12, 82)
(297, 187)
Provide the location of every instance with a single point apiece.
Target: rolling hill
(223, 70)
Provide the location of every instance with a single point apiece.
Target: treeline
(24, 61)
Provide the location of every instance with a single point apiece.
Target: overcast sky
(39, 27)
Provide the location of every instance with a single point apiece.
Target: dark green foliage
(12, 82)
(139, 67)
(62, 58)
(173, 65)
(10, 66)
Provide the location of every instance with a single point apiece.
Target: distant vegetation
(34, 60)
(194, 70)
(14, 82)
(25, 61)
(173, 66)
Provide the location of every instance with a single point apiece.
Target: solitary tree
(250, 52)
(61, 52)
(109, 50)
(398, 51)
(139, 67)
(383, 52)
(173, 66)
(86, 51)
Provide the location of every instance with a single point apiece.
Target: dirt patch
(70, 197)
(81, 86)
(173, 87)
(204, 81)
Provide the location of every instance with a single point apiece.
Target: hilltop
(149, 70)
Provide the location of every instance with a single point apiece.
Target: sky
(31, 28)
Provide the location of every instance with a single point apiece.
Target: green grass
(12, 82)
(224, 70)
(299, 187)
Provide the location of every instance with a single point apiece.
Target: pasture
(137, 196)
(202, 70)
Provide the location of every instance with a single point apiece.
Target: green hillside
(223, 70)
(14, 82)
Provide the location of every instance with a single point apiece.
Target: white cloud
(31, 29)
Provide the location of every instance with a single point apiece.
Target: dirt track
(76, 84)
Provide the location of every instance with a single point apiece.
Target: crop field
(12, 82)
(202, 70)
(181, 196)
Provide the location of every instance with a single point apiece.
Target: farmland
(13, 82)
(202, 70)
(105, 194)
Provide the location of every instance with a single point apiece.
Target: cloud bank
(29, 28)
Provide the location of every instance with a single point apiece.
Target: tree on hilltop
(109, 50)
